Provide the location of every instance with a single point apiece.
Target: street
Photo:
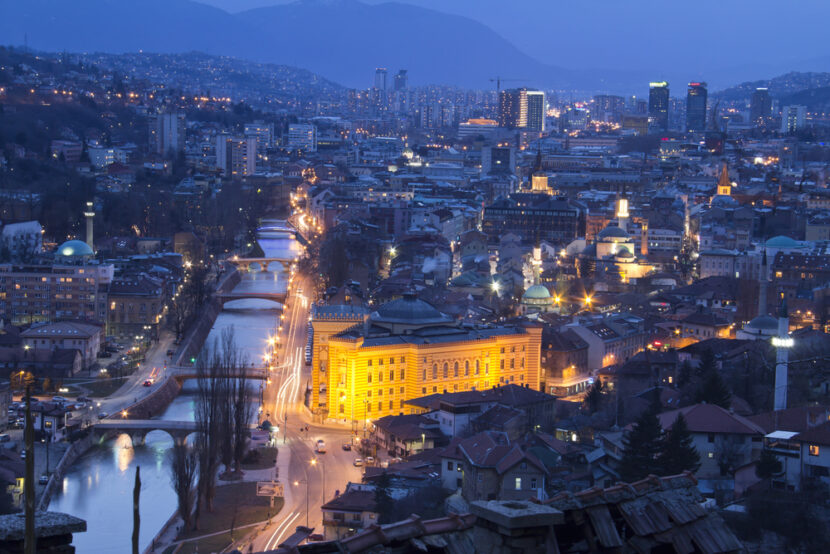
(309, 478)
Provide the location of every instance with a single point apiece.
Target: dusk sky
(705, 35)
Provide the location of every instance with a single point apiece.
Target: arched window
(466, 368)
(446, 370)
(435, 371)
(455, 370)
(478, 367)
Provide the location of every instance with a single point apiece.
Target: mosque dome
(612, 231)
(782, 241)
(536, 292)
(74, 249)
(763, 323)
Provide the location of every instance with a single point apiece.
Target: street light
(322, 470)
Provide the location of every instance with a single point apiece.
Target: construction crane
(500, 80)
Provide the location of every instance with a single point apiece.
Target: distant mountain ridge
(343, 40)
(786, 85)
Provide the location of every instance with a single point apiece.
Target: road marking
(284, 526)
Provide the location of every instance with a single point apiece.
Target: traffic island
(237, 510)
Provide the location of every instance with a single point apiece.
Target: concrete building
(236, 157)
(302, 136)
(167, 133)
(793, 119)
(65, 335)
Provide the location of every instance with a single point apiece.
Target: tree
(136, 513)
(183, 476)
(684, 374)
(678, 454)
(707, 364)
(642, 447)
(594, 397)
(768, 465)
(383, 500)
(714, 391)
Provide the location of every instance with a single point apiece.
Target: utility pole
(30, 540)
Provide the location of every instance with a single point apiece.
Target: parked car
(43, 479)
(83, 399)
(23, 454)
(358, 462)
(79, 406)
(5, 437)
(347, 446)
(370, 461)
(102, 415)
(316, 537)
(58, 399)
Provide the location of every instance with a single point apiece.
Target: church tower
(724, 184)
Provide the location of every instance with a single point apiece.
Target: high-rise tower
(89, 214)
(658, 106)
(696, 99)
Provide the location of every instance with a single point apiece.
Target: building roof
(816, 435)
(409, 310)
(508, 395)
(62, 329)
(792, 419)
(409, 427)
(710, 418)
(352, 501)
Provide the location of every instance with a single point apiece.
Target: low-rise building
(65, 335)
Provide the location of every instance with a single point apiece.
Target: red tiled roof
(710, 418)
(816, 435)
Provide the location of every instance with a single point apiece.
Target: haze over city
(334, 276)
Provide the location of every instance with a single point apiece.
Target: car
(357, 462)
(43, 479)
(148, 382)
(83, 399)
(316, 537)
(370, 461)
(79, 406)
(384, 464)
(23, 454)
(347, 446)
(321, 446)
(4, 437)
(170, 352)
(58, 399)
(102, 415)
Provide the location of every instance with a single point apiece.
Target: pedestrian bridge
(224, 297)
(137, 429)
(245, 264)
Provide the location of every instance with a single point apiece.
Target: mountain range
(342, 40)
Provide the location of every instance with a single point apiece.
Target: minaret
(89, 214)
(622, 213)
(762, 286)
(783, 342)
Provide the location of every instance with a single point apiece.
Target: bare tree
(183, 478)
(220, 375)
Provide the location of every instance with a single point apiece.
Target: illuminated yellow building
(407, 349)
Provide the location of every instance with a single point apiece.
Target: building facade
(408, 349)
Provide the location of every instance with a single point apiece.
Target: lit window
(711, 455)
(518, 483)
(814, 450)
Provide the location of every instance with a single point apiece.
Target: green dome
(624, 252)
(74, 249)
(536, 292)
(782, 241)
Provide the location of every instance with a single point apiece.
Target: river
(98, 487)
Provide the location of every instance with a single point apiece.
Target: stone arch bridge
(224, 297)
(137, 429)
(245, 264)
